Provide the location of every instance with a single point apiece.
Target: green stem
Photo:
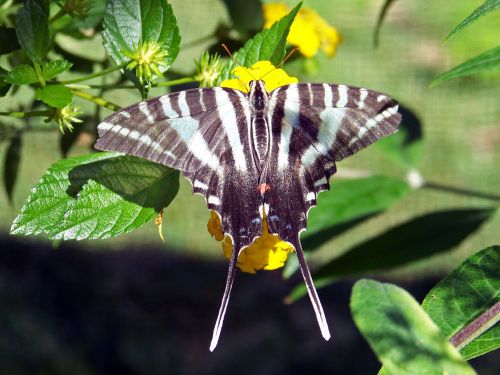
(174, 82)
(62, 12)
(39, 75)
(97, 100)
(26, 114)
(91, 76)
(460, 191)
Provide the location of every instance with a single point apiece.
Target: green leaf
(485, 343)
(4, 85)
(380, 20)
(404, 338)
(11, 164)
(32, 29)
(348, 201)
(269, 45)
(8, 40)
(458, 299)
(487, 7)
(54, 95)
(416, 239)
(53, 68)
(21, 75)
(405, 146)
(488, 60)
(94, 196)
(128, 22)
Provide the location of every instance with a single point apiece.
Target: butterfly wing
(313, 126)
(205, 134)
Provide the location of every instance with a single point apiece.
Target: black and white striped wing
(205, 134)
(315, 125)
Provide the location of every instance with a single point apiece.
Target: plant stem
(174, 82)
(477, 327)
(97, 100)
(25, 114)
(460, 191)
(62, 12)
(91, 76)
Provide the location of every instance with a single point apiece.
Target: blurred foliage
(68, 52)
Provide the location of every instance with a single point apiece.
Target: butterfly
(254, 155)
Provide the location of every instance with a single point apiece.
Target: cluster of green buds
(208, 69)
(64, 117)
(147, 59)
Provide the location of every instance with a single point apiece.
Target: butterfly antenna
(280, 65)
(225, 300)
(236, 62)
(313, 295)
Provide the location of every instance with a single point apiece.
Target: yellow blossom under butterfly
(273, 77)
(309, 31)
(267, 252)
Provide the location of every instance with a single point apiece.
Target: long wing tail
(225, 299)
(313, 295)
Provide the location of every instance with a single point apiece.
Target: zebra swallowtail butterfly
(255, 154)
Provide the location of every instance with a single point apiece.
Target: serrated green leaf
(11, 164)
(404, 338)
(4, 85)
(54, 95)
(413, 240)
(8, 40)
(405, 146)
(269, 45)
(128, 22)
(487, 7)
(380, 20)
(465, 294)
(21, 75)
(32, 29)
(489, 60)
(53, 68)
(348, 201)
(94, 196)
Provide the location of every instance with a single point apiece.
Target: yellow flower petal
(267, 252)
(309, 31)
(262, 70)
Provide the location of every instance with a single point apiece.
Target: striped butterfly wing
(313, 126)
(205, 134)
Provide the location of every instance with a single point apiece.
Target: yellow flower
(267, 252)
(309, 32)
(147, 59)
(273, 77)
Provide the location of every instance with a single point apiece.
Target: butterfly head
(258, 94)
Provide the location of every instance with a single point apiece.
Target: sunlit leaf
(53, 68)
(489, 60)
(485, 8)
(128, 22)
(54, 95)
(404, 338)
(93, 196)
(269, 45)
(465, 294)
(21, 75)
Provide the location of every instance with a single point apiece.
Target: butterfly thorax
(259, 128)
